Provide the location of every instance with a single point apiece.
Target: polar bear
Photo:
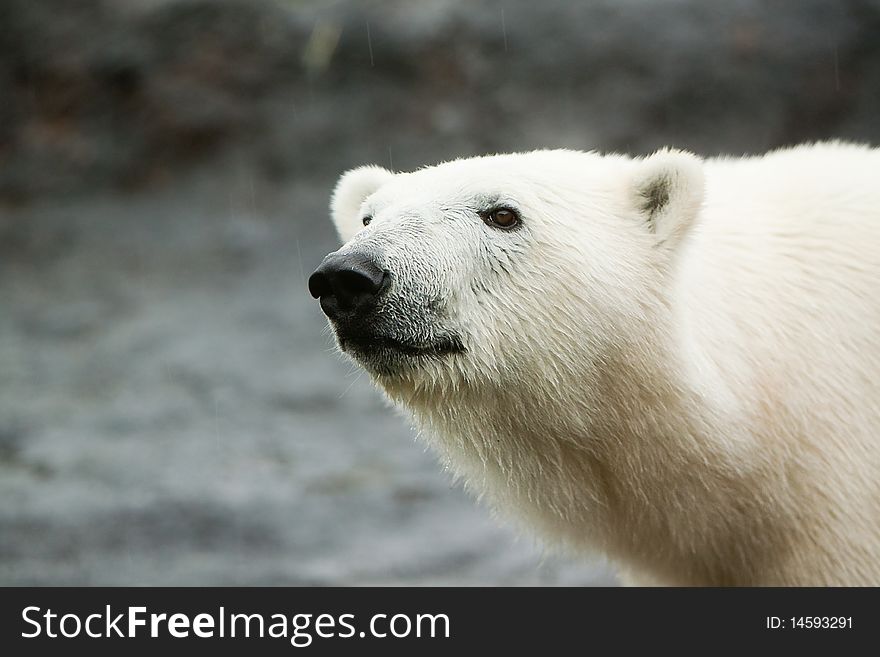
(672, 360)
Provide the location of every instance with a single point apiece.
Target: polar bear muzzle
(383, 331)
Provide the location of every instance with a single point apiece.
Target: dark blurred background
(171, 408)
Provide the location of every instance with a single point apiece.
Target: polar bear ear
(667, 191)
(351, 191)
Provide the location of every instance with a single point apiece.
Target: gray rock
(125, 93)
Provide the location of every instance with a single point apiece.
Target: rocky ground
(171, 408)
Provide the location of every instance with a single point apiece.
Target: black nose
(347, 282)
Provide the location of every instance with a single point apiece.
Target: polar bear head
(495, 271)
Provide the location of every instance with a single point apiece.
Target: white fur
(673, 361)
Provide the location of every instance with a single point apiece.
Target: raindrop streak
(504, 29)
(233, 205)
(370, 44)
(216, 417)
(390, 159)
(836, 70)
(299, 256)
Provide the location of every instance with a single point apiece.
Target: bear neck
(641, 467)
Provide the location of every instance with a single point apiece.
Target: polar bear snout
(347, 283)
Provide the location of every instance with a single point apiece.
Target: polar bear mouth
(373, 345)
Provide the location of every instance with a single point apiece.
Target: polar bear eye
(502, 217)
(367, 220)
